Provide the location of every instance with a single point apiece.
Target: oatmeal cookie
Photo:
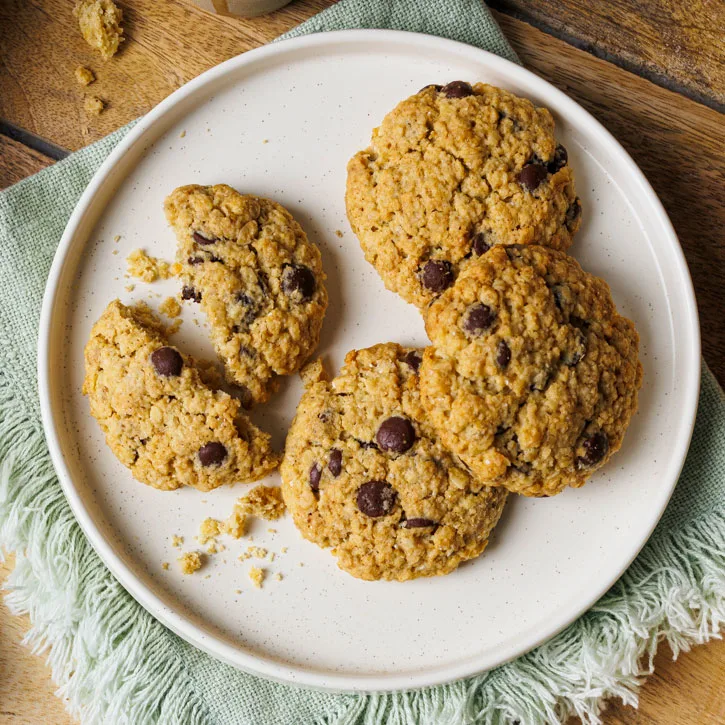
(364, 473)
(533, 375)
(159, 418)
(451, 172)
(258, 278)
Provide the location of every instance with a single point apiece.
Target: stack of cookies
(465, 205)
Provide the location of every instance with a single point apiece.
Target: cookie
(258, 278)
(159, 417)
(533, 377)
(364, 473)
(451, 172)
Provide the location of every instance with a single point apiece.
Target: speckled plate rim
(70, 248)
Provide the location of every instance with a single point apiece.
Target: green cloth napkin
(116, 664)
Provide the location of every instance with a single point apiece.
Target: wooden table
(653, 71)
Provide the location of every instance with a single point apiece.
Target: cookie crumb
(265, 140)
(212, 548)
(174, 326)
(272, 531)
(177, 541)
(284, 550)
(117, 238)
(84, 76)
(182, 134)
(93, 105)
(165, 565)
(237, 591)
(130, 287)
(244, 556)
(256, 574)
(272, 556)
(257, 551)
(278, 577)
(339, 233)
(236, 524)
(313, 372)
(170, 307)
(147, 268)
(262, 501)
(100, 25)
(115, 251)
(209, 530)
(190, 562)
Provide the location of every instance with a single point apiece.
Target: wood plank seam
(639, 69)
(29, 139)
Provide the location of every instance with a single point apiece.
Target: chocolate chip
(167, 362)
(558, 292)
(457, 89)
(367, 445)
(503, 355)
(376, 498)
(595, 447)
(251, 310)
(395, 434)
(479, 317)
(189, 293)
(437, 275)
(479, 244)
(573, 213)
(335, 463)
(298, 281)
(412, 359)
(315, 476)
(434, 86)
(572, 357)
(212, 454)
(199, 238)
(418, 523)
(195, 260)
(578, 322)
(561, 157)
(531, 176)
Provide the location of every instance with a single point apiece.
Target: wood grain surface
(677, 142)
(677, 44)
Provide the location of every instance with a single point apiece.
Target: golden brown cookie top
(533, 375)
(450, 172)
(364, 473)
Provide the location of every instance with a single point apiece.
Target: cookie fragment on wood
(93, 105)
(100, 25)
(84, 76)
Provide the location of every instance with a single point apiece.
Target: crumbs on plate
(257, 574)
(190, 562)
(170, 307)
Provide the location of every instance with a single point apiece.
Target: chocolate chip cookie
(258, 278)
(533, 377)
(364, 473)
(159, 418)
(451, 172)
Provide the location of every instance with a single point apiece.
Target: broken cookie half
(160, 418)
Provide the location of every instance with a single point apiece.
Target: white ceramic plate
(282, 122)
